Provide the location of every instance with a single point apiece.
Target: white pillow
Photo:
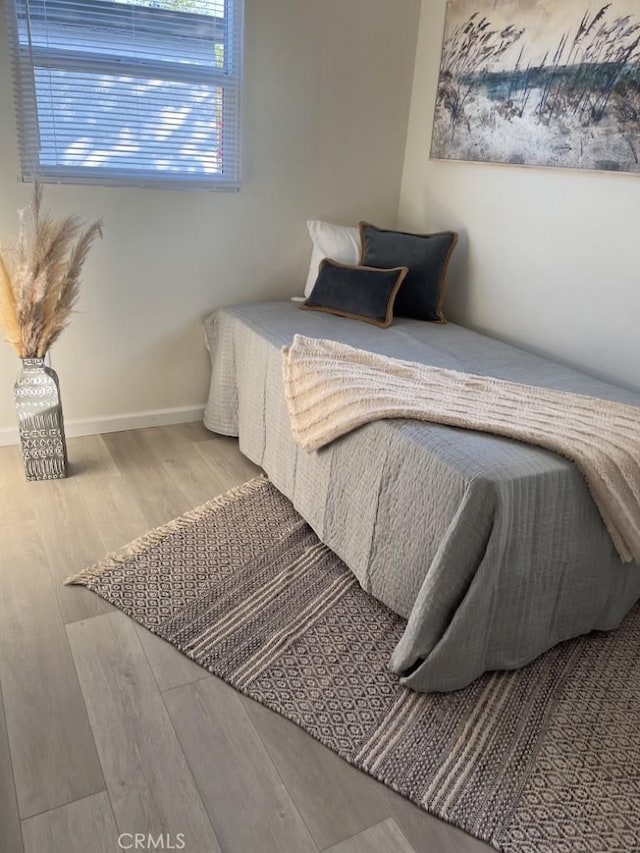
(331, 241)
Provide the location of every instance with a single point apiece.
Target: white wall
(326, 103)
(549, 259)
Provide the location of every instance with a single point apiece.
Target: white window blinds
(128, 92)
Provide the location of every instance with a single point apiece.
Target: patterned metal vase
(37, 396)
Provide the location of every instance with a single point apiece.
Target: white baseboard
(118, 423)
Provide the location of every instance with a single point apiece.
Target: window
(128, 92)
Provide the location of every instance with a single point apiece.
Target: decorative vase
(37, 396)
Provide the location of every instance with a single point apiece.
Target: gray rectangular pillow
(357, 292)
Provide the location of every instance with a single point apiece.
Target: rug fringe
(153, 537)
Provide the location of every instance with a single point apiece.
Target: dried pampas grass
(40, 277)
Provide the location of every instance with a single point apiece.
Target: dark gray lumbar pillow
(426, 255)
(358, 292)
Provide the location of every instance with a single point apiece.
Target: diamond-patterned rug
(542, 760)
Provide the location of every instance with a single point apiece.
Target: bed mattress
(493, 550)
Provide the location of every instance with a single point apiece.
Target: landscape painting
(540, 83)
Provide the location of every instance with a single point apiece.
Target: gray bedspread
(493, 550)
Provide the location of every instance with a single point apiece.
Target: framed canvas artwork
(540, 83)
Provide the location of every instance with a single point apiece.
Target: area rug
(542, 760)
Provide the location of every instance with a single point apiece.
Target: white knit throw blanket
(332, 388)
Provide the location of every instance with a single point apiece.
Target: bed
(492, 550)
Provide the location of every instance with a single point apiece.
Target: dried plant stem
(40, 278)
(8, 309)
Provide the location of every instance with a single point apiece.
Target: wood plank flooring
(107, 731)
